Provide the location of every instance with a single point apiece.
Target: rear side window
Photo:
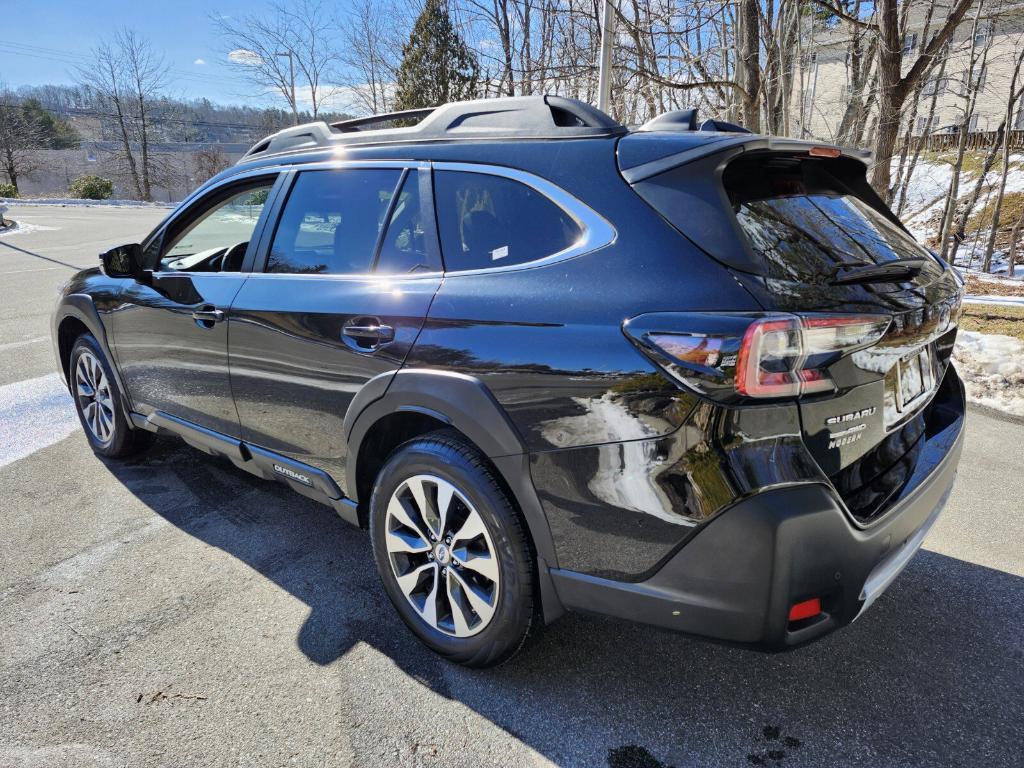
(491, 221)
(404, 247)
(803, 223)
(331, 221)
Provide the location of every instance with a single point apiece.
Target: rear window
(490, 221)
(804, 223)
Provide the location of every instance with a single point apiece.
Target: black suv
(679, 374)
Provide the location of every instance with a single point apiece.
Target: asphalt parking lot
(175, 611)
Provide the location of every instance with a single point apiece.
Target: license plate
(914, 378)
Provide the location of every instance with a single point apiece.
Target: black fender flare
(81, 307)
(466, 404)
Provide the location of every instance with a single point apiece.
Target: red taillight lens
(768, 362)
(783, 356)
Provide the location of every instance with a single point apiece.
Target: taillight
(754, 356)
(785, 357)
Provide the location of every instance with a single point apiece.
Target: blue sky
(42, 40)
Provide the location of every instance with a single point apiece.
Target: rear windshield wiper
(890, 270)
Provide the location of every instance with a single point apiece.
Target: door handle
(368, 332)
(205, 318)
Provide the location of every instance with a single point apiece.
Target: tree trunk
(893, 89)
(1014, 236)
(1015, 94)
(961, 148)
(749, 64)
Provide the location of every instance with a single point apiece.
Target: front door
(170, 336)
(344, 286)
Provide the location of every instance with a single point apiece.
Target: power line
(66, 111)
(80, 59)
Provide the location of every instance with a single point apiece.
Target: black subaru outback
(679, 374)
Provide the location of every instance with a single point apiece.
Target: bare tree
(18, 137)
(128, 78)
(894, 87)
(973, 79)
(1016, 92)
(291, 51)
(371, 54)
(208, 162)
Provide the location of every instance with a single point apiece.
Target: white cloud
(200, 62)
(242, 56)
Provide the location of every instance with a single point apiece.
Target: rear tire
(98, 402)
(452, 551)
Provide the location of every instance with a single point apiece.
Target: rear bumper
(737, 578)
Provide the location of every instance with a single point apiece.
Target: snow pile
(992, 367)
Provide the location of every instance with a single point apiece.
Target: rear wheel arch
(417, 402)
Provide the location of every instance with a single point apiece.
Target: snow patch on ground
(926, 199)
(77, 202)
(970, 256)
(24, 227)
(1015, 301)
(926, 194)
(992, 367)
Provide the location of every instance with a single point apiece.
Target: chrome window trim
(596, 231)
(203, 191)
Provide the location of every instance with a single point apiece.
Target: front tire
(98, 402)
(452, 551)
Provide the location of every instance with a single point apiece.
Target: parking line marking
(23, 271)
(24, 343)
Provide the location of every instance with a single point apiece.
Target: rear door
(340, 290)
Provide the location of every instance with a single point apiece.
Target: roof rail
(686, 120)
(357, 123)
(527, 117)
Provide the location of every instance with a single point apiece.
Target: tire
(478, 621)
(92, 383)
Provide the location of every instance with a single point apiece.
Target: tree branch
(840, 13)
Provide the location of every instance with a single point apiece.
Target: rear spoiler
(733, 145)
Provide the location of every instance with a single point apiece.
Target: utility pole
(291, 77)
(604, 72)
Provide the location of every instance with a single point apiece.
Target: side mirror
(123, 261)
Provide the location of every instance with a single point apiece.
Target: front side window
(217, 238)
(491, 221)
(332, 220)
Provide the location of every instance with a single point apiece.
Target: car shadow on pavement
(932, 675)
(40, 256)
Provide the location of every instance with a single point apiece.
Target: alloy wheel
(442, 556)
(94, 399)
